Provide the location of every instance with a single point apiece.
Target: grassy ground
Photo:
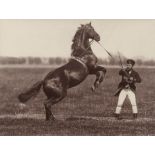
(96, 108)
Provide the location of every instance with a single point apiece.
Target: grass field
(81, 113)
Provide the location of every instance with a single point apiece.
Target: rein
(105, 49)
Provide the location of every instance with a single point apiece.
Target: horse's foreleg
(100, 72)
(98, 81)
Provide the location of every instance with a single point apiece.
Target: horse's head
(91, 33)
(81, 47)
(81, 39)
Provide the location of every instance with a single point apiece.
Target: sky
(53, 38)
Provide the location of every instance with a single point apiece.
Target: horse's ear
(82, 25)
(90, 23)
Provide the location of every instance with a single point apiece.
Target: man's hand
(123, 70)
(131, 79)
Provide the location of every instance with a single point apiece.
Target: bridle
(90, 43)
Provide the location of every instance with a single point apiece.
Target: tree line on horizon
(59, 61)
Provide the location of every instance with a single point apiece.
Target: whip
(120, 60)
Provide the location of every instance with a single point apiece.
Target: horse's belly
(76, 78)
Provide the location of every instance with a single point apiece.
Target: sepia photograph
(77, 77)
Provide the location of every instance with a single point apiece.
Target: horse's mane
(76, 38)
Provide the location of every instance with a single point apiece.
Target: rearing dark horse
(82, 63)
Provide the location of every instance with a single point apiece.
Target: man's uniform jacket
(124, 84)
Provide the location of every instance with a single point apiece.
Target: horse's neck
(87, 55)
(87, 45)
(81, 46)
(83, 41)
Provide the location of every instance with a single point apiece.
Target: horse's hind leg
(49, 115)
(49, 102)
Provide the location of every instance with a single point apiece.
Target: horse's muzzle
(97, 38)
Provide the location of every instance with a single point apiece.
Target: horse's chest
(92, 60)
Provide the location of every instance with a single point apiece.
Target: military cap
(130, 61)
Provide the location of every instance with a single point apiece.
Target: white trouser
(131, 95)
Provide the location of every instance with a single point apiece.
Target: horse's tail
(31, 92)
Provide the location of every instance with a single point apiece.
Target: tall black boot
(118, 116)
(135, 116)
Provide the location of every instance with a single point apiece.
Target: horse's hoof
(52, 119)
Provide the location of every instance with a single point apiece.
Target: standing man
(127, 88)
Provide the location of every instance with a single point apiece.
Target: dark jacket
(124, 84)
